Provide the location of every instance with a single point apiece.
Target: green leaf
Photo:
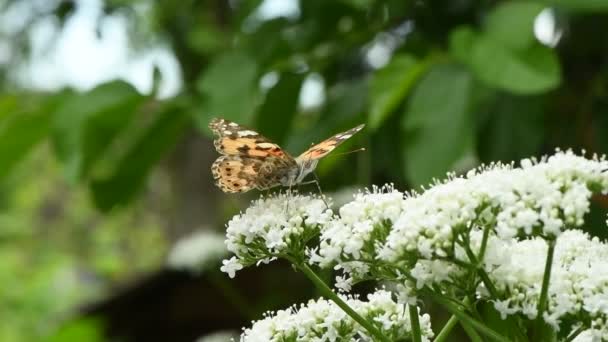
(438, 127)
(130, 174)
(85, 124)
(461, 43)
(21, 130)
(390, 85)
(529, 71)
(512, 23)
(280, 106)
(515, 129)
(344, 108)
(229, 89)
(580, 5)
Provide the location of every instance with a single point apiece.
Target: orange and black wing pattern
(323, 148)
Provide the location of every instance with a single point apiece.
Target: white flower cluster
(363, 225)
(578, 285)
(539, 198)
(322, 320)
(197, 252)
(273, 227)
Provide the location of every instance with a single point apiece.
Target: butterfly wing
(323, 148)
(248, 159)
(241, 174)
(234, 139)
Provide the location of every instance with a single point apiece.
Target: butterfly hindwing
(323, 148)
(241, 174)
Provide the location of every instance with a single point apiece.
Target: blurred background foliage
(104, 160)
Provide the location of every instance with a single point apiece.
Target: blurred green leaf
(21, 130)
(437, 126)
(514, 130)
(229, 88)
(512, 23)
(132, 170)
(461, 42)
(580, 5)
(275, 116)
(532, 70)
(85, 124)
(344, 109)
(390, 85)
(83, 329)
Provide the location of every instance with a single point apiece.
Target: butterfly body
(248, 160)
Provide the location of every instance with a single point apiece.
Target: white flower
(360, 226)
(578, 285)
(322, 320)
(275, 226)
(197, 251)
(230, 266)
(392, 233)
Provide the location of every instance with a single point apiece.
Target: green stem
(576, 332)
(463, 317)
(447, 329)
(484, 242)
(481, 272)
(470, 331)
(415, 323)
(544, 292)
(328, 293)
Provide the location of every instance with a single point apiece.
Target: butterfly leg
(316, 181)
(288, 197)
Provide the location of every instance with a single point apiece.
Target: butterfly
(248, 160)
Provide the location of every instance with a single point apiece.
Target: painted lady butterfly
(251, 161)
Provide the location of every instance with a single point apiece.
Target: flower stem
(415, 323)
(484, 242)
(451, 323)
(574, 334)
(542, 302)
(463, 317)
(447, 329)
(328, 293)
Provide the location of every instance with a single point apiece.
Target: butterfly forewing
(323, 148)
(234, 139)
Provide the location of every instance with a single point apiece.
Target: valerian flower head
(197, 252)
(361, 228)
(273, 227)
(578, 288)
(322, 320)
(383, 234)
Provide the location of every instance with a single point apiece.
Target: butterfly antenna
(348, 152)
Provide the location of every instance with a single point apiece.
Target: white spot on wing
(246, 133)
